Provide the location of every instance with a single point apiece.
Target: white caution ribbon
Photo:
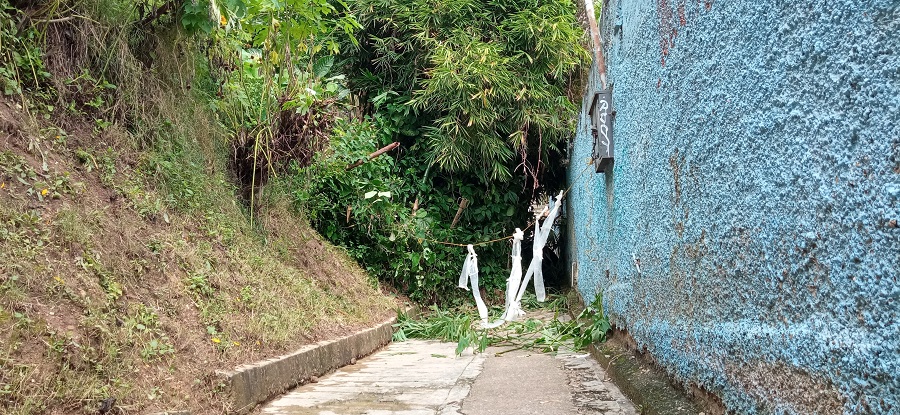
(470, 275)
(515, 284)
(535, 268)
(511, 310)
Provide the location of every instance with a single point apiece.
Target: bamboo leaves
(481, 70)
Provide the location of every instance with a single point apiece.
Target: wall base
(642, 380)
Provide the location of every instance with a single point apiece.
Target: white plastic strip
(540, 239)
(511, 310)
(470, 274)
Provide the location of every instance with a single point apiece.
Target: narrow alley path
(425, 377)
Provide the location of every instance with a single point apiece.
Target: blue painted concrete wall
(747, 236)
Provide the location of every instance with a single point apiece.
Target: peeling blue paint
(748, 233)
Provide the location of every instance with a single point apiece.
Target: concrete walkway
(424, 377)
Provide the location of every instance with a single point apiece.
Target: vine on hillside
(21, 65)
(280, 97)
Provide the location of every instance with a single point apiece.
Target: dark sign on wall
(601, 115)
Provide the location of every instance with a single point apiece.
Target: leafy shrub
(391, 215)
(478, 94)
(21, 63)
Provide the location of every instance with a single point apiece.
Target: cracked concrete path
(409, 378)
(425, 377)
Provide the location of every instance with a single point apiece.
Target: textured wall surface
(747, 236)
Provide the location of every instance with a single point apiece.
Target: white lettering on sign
(603, 128)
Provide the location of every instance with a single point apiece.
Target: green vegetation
(547, 333)
(164, 163)
(489, 80)
(22, 69)
(130, 268)
(478, 93)
(96, 288)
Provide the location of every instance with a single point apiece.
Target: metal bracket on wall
(573, 282)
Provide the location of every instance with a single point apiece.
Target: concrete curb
(642, 380)
(252, 384)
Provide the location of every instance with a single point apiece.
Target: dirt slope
(115, 286)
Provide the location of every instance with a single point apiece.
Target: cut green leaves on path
(547, 333)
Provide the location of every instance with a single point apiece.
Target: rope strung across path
(475, 244)
(513, 308)
(564, 193)
(516, 284)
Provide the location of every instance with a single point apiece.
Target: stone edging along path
(252, 384)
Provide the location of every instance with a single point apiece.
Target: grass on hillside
(129, 270)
